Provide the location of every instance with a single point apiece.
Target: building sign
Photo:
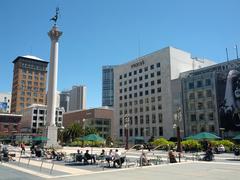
(140, 63)
(228, 98)
(3, 106)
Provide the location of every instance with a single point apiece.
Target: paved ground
(225, 166)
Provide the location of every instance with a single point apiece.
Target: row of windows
(36, 78)
(201, 105)
(143, 131)
(140, 86)
(140, 78)
(202, 128)
(141, 93)
(200, 94)
(145, 69)
(141, 101)
(24, 71)
(29, 88)
(202, 117)
(141, 109)
(143, 119)
(30, 83)
(199, 84)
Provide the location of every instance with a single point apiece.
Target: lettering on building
(140, 63)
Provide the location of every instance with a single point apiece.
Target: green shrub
(163, 143)
(191, 145)
(226, 143)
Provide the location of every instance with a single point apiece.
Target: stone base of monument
(51, 133)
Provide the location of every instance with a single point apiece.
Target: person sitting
(209, 155)
(79, 156)
(53, 154)
(109, 157)
(88, 156)
(117, 159)
(143, 160)
(221, 148)
(172, 157)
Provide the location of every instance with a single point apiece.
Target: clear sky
(109, 32)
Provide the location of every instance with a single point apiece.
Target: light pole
(83, 121)
(126, 126)
(222, 132)
(178, 118)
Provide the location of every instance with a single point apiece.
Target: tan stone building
(29, 82)
(99, 118)
(9, 124)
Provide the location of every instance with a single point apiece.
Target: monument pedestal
(52, 132)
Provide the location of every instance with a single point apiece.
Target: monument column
(54, 35)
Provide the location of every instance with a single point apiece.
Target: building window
(200, 94)
(135, 72)
(199, 84)
(209, 104)
(130, 88)
(159, 90)
(146, 100)
(140, 78)
(193, 117)
(125, 82)
(120, 90)
(160, 118)
(159, 98)
(208, 82)
(147, 119)
(120, 132)
(153, 118)
(146, 69)
(146, 76)
(211, 128)
(120, 121)
(191, 85)
(200, 105)
(135, 94)
(159, 81)
(146, 84)
(159, 107)
(152, 91)
(135, 79)
(130, 81)
(158, 73)
(136, 131)
(130, 96)
(130, 74)
(140, 70)
(152, 67)
(153, 108)
(141, 119)
(147, 108)
(201, 117)
(160, 131)
(210, 116)
(191, 96)
(152, 99)
(146, 92)
(140, 86)
(125, 75)
(152, 83)
(158, 65)
(152, 75)
(135, 87)
(208, 93)
(136, 120)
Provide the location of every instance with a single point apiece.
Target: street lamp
(126, 126)
(222, 132)
(178, 118)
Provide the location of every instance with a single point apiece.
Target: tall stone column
(54, 35)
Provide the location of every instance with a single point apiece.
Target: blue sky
(108, 32)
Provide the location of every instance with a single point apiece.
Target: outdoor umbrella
(237, 137)
(93, 138)
(40, 138)
(204, 135)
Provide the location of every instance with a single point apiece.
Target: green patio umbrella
(237, 137)
(204, 135)
(189, 137)
(40, 138)
(93, 138)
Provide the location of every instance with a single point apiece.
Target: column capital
(54, 33)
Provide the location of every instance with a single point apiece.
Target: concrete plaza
(225, 166)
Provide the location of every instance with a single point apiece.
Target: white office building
(5, 102)
(77, 98)
(147, 90)
(34, 118)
